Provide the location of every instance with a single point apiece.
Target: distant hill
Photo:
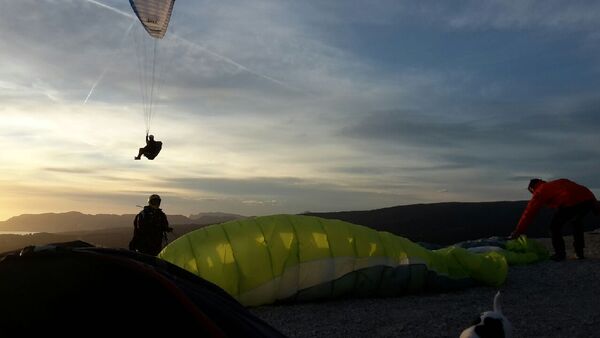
(441, 223)
(77, 221)
(214, 217)
(448, 223)
(106, 237)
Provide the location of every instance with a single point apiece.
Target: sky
(281, 106)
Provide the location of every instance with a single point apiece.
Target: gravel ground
(547, 299)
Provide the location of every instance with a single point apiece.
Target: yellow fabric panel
(214, 259)
(341, 239)
(393, 248)
(414, 252)
(367, 243)
(250, 252)
(281, 241)
(312, 239)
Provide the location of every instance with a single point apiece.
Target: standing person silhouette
(149, 228)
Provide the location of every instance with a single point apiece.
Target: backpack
(149, 233)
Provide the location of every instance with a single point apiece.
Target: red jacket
(554, 194)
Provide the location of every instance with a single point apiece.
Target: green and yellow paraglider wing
(297, 258)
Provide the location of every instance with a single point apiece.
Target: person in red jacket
(572, 201)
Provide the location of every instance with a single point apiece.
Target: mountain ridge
(53, 222)
(452, 222)
(440, 223)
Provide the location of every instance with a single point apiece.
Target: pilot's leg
(142, 150)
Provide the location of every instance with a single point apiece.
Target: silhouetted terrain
(442, 223)
(214, 217)
(113, 231)
(448, 223)
(534, 296)
(77, 221)
(74, 221)
(110, 238)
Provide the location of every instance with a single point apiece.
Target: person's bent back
(572, 201)
(152, 149)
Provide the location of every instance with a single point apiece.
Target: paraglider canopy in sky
(154, 15)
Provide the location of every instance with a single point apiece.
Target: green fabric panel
(525, 251)
(213, 260)
(251, 253)
(415, 252)
(393, 247)
(312, 238)
(318, 292)
(383, 281)
(360, 283)
(367, 243)
(341, 239)
(281, 241)
(417, 277)
(368, 281)
(344, 285)
(394, 281)
(181, 253)
(490, 268)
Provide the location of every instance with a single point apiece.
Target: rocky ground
(547, 299)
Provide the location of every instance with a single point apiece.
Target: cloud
(558, 143)
(70, 170)
(287, 193)
(528, 13)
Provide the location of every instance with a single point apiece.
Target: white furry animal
(490, 324)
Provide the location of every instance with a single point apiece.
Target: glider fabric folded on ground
(300, 258)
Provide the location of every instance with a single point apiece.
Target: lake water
(17, 232)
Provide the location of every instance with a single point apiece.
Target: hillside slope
(448, 223)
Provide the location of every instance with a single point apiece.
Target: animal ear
(497, 303)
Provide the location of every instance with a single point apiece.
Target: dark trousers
(574, 215)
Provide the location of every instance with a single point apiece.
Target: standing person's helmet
(154, 200)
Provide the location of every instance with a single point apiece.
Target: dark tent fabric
(57, 288)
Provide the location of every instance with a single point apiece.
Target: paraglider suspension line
(152, 85)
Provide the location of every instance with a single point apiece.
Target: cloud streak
(203, 49)
(110, 8)
(108, 66)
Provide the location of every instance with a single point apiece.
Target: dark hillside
(108, 238)
(74, 221)
(447, 223)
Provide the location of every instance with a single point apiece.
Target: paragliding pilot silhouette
(151, 149)
(150, 228)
